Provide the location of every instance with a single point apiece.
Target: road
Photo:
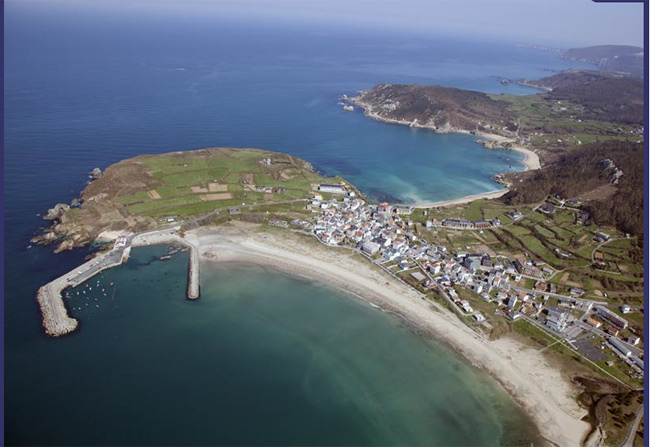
(555, 295)
(599, 246)
(514, 222)
(570, 346)
(102, 261)
(631, 432)
(249, 206)
(635, 349)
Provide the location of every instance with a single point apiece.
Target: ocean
(240, 366)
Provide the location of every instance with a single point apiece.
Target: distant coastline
(530, 161)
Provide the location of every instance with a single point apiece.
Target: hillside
(607, 177)
(618, 58)
(144, 192)
(442, 109)
(605, 97)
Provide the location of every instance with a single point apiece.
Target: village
(475, 284)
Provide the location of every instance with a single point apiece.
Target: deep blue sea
(147, 367)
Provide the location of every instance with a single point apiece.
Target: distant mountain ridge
(618, 58)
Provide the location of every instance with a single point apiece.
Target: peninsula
(576, 107)
(461, 281)
(542, 288)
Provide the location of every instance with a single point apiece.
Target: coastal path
(569, 346)
(444, 294)
(199, 219)
(631, 432)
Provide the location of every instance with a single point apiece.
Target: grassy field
(234, 176)
(554, 239)
(557, 126)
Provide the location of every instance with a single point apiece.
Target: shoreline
(523, 372)
(465, 199)
(531, 160)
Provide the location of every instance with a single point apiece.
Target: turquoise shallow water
(150, 367)
(260, 359)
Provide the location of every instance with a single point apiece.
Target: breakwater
(57, 322)
(170, 237)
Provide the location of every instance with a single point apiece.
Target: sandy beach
(466, 199)
(523, 371)
(531, 159)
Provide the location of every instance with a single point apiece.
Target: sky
(560, 22)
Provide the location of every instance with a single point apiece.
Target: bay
(261, 359)
(144, 369)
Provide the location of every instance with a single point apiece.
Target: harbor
(57, 322)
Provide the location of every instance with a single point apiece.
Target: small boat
(110, 284)
(84, 292)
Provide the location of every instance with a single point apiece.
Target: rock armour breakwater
(56, 320)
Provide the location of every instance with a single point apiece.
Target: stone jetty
(56, 320)
(169, 237)
(193, 274)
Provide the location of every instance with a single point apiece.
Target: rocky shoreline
(83, 221)
(368, 110)
(489, 141)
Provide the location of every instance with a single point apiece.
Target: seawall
(56, 320)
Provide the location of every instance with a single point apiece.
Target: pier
(56, 320)
(168, 237)
(193, 274)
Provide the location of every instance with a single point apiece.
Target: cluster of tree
(439, 106)
(581, 171)
(605, 97)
